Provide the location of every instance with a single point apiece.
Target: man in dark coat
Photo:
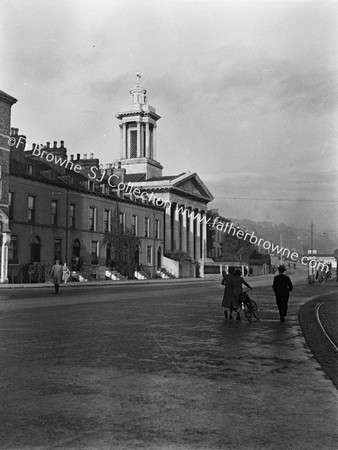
(282, 287)
(56, 274)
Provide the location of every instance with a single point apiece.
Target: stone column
(198, 235)
(203, 243)
(204, 235)
(147, 140)
(124, 141)
(176, 229)
(153, 156)
(121, 140)
(139, 150)
(168, 228)
(191, 237)
(6, 239)
(184, 232)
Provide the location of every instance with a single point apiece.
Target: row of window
(134, 228)
(35, 245)
(92, 218)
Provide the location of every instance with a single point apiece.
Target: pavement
(318, 319)
(158, 367)
(257, 280)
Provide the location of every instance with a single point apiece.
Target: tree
(210, 231)
(123, 246)
(236, 249)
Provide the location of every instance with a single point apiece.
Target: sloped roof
(186, 184)
(7, 98)
(166, 178)
(135, 177)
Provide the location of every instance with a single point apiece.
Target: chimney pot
(55, 144)
(72, 157)
(62, 144)
(48, 144)
(85, 156)
(91, 155)
(78, 156)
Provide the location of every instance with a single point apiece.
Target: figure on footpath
(282, 287)
(227, 296)
(56, 274)
(65, 273)
(236, 288)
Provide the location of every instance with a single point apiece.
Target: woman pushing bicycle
(236, 290)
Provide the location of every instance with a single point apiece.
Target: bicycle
(249, 306)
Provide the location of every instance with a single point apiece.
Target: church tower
(138, 135)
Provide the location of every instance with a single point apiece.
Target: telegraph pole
(311, 269)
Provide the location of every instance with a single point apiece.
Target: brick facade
(56, 212)
(6, 102)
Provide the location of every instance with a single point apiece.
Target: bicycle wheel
(247, 312)
(254, 309)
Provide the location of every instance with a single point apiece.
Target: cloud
(263, 82)
(246, 94)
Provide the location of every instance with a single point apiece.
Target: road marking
(322, 327)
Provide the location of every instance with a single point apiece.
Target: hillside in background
(292, 238)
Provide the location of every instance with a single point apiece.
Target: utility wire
(280, 199)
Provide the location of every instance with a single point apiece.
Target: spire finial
(138, 76)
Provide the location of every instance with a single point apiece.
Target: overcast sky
(246, 91)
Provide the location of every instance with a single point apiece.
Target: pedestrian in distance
(282, 286)
(65, 273)
(236, 288)
(227, 296)
(56, 274)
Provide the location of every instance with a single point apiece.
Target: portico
(185, 199)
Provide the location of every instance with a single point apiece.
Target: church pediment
(189, 186)
(193, 185)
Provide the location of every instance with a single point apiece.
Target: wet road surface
(158, 367)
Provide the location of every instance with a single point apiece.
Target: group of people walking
(59, 274)
(233, 283)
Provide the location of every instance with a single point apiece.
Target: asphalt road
(158, 367)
